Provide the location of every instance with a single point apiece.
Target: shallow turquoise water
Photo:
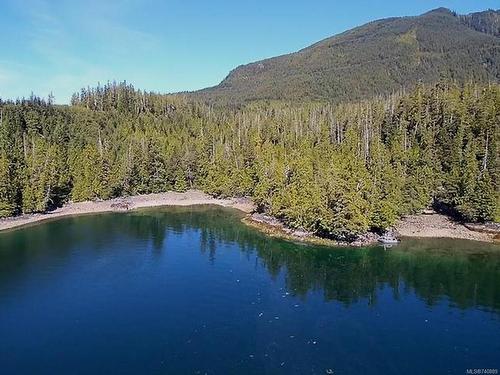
(192, 290)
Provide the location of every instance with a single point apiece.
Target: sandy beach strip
(438, 226)
(424, 226)
(189, 198)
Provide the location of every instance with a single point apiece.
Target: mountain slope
(376, 58)
(486, 22)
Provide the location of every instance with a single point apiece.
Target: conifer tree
(7, 193)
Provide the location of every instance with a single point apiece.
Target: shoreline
(432, 225)
(277, 229)
(125, 204)
(425, 225)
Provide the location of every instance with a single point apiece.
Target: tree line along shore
(337, 171)
(188, 198)
(430, 225)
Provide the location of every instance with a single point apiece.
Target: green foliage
(7, 192)
(180, 184)
(44, 175)
(336, 170)
(88, 174)
(484, 198)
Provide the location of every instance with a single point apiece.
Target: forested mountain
(378, 58)
(486, 22)
(364, 127)
(337, 170)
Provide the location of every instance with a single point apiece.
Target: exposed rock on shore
(274, 227)
(491, 228)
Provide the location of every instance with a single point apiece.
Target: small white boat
(388, 239)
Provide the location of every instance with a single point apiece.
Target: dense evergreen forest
(337, 170)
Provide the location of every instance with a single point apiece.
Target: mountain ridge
(373, 59)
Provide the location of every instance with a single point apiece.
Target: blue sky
(172, 45)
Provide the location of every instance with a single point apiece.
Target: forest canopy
(337, 170)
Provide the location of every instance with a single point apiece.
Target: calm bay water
(192, 290)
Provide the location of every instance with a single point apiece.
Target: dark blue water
(194, 291)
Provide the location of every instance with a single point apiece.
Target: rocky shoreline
(426, 225)
(276, 228)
